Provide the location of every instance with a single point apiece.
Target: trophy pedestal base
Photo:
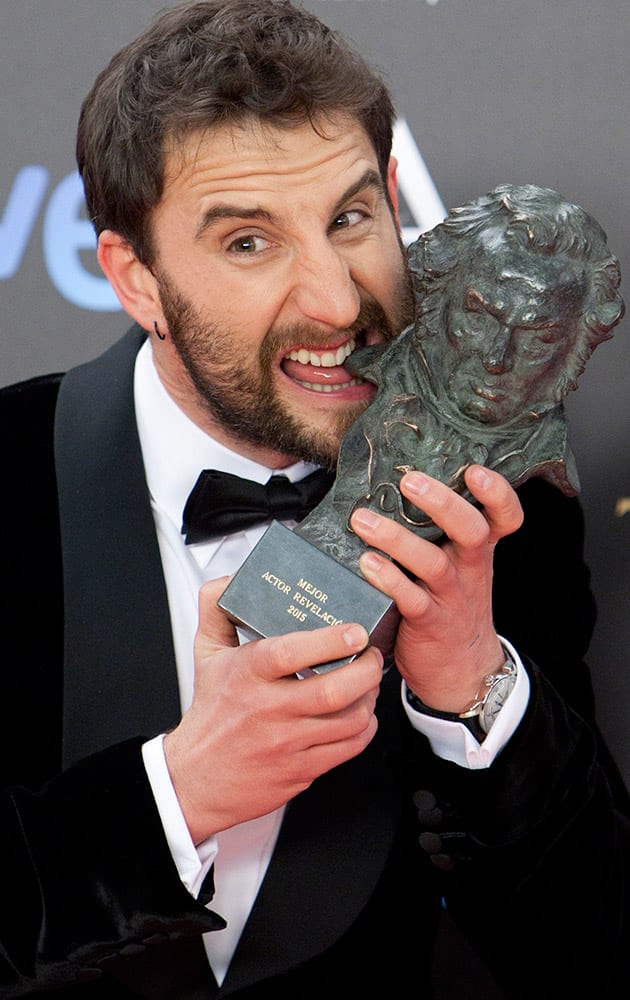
(288, 585)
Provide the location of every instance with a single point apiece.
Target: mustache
(371, 315)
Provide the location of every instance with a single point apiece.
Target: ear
(392, 188)
(135, 286)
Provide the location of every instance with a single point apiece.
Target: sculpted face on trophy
(514, 291)
(511, 320)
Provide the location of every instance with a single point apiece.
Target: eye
(248, 244)
(346, 220)
(549, 334)
(542, 334)
(539, 345)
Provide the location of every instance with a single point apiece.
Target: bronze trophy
(514, 291)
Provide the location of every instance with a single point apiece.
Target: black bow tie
(221, 503)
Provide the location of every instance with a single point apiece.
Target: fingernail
(479, 476)
(417, 483)
(365, 518)
(370, 560)
(355, 636)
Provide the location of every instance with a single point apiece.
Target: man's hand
(255, 735)
(446, 641)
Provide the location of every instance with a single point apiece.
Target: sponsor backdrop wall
(488, 91)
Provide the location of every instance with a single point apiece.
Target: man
(236, 160)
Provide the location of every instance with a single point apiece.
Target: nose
(496, 357)
(323, 289)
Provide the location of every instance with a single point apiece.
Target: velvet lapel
(119, 673)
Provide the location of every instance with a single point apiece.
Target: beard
(241, 395)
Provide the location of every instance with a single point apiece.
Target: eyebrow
(542, 319)
(227, 211)
(369, 179)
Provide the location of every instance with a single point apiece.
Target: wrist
(454, 685)
(481, 711)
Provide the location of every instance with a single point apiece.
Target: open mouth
(323, 370)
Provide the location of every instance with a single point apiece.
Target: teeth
(329, 359)
(329, 388)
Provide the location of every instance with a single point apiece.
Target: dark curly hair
(204, 65)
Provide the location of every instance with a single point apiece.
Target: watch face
(495, 700)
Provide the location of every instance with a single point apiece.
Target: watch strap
(471, 723)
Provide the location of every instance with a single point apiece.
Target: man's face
(512, 319)
(276, 255)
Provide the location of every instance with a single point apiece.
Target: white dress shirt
(175, 451)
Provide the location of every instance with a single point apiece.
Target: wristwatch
(492, 696)
(488, 702)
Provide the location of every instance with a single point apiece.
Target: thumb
(215, 631)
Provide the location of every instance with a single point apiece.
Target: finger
(284, 655)
(338, 693)
(459, 519)
(427, 562)
(316, 728)
(214, 631)
(412, 598)
(323, 757)
(501, 505)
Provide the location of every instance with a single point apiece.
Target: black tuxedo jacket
(529, 854)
